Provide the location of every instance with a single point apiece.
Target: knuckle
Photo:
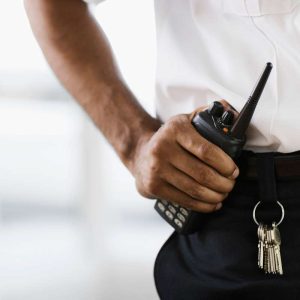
(152, 186)
(197, 191)
(210, 175)
(205, 150)
(160, 146)
(156, 148)
(202, 177)
(194, 194)
(177, 121)
(172, 122)
(154, 166)
(190, 143)
(180, 118)
(172, 126)
(183, 119)
(142, 191)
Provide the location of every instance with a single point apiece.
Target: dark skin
(170, 161)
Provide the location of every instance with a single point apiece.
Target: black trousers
(220, 260)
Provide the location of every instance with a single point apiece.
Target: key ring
(282, 213)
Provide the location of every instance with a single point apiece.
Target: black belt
(287, 165)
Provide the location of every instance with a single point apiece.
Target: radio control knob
(216, 109)
(227, 118)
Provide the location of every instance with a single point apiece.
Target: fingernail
(235, 174)
(218, 206)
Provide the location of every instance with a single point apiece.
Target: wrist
(137, 147)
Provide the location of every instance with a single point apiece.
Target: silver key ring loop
(254, 212)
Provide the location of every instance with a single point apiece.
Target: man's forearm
(78, 52)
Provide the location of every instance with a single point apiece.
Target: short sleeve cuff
(93, 1)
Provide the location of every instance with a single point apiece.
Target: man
(207, 50)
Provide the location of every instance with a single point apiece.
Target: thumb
(197, 110)
(229, 107)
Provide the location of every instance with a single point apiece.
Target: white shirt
(216, 49)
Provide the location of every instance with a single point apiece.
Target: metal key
(261, 237)
(265, 250)
(267, 269)
(268, 245)
(260, 256)
(276, 241)
(269, 241)
(271, 252)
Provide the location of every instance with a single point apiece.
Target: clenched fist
(177, 164)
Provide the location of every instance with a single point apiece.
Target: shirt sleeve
(93, 1)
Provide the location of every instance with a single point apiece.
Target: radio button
(172, 209)
(184, 211)
(161, 206)
(169, 215)
(181, 217)
(178, 223)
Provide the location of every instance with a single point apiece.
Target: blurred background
(72, 225)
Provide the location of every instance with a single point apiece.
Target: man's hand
(177, 164)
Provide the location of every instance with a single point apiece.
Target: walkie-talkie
(215, 125)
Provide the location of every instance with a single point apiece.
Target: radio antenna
(240, 126)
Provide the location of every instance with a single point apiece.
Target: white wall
(72, 225)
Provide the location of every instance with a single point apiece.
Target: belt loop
(266, 177)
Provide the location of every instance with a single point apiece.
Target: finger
(196, 111)
(200, 172)
(229, 107)
(206, 151)
(189, 186)
(172, 194)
